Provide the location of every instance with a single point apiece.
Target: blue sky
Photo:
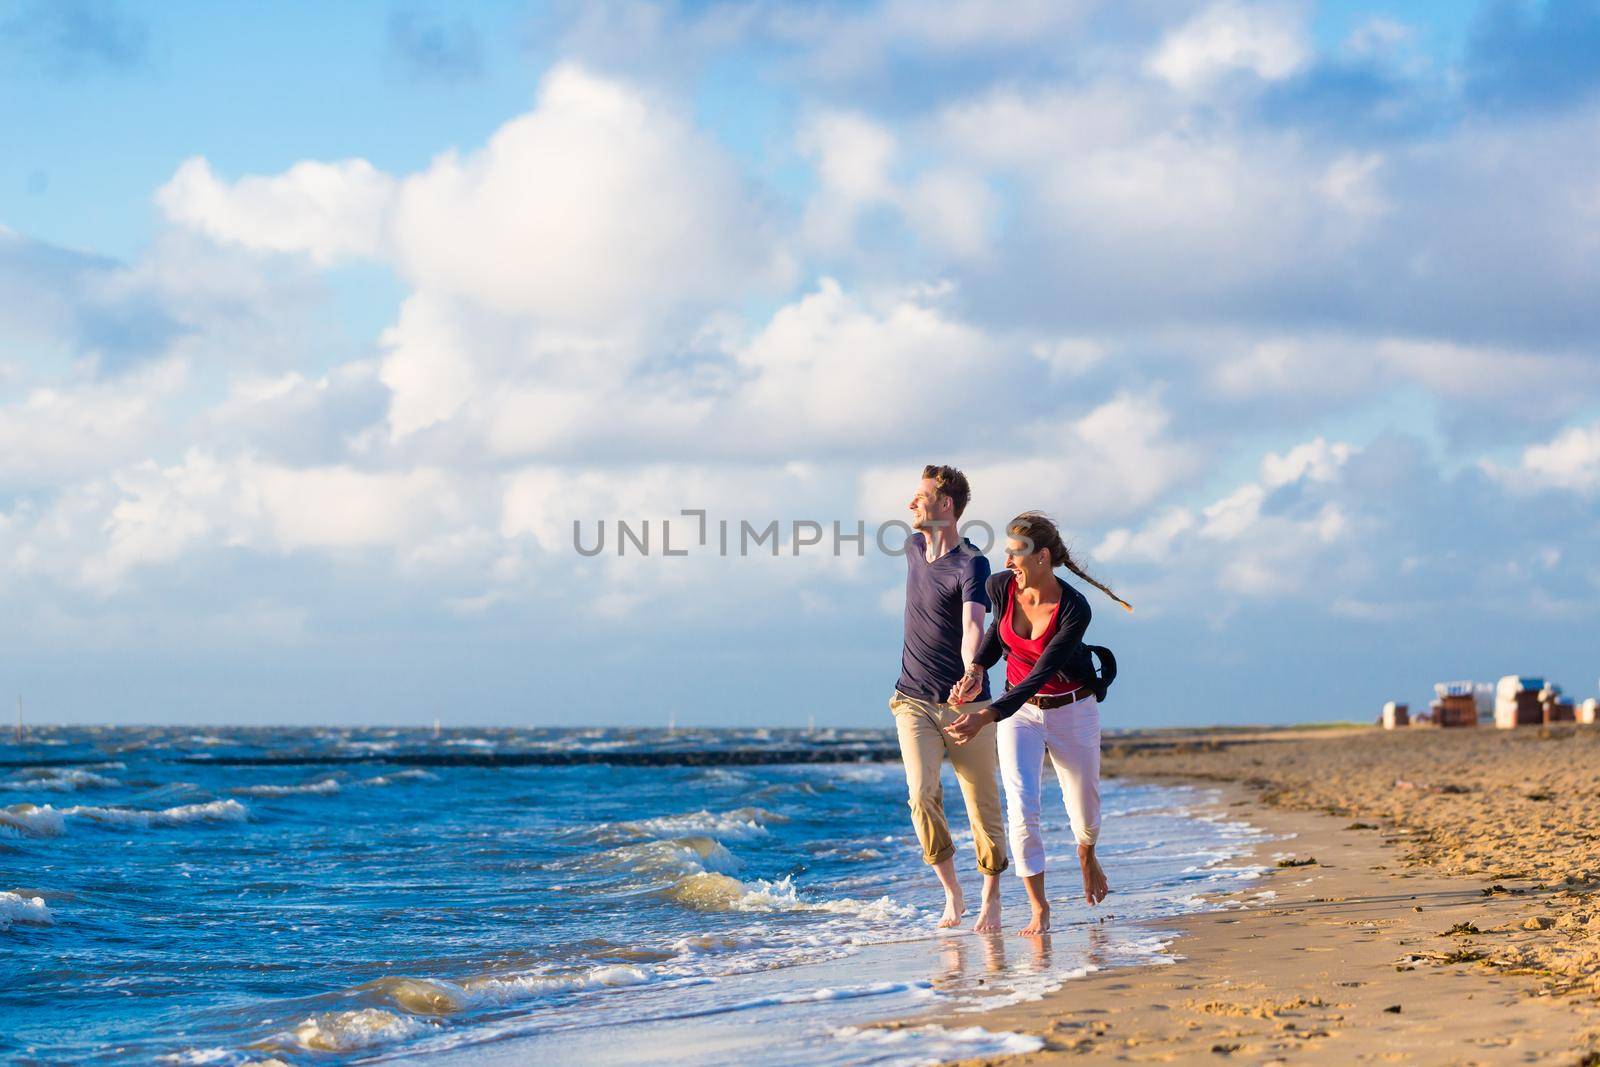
(319, 325)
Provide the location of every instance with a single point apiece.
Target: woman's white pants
(1071, 735)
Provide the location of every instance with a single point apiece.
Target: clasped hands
(967, 725)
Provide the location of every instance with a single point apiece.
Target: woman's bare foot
(988, 915)
(1039, 925)
(954, 909)
(1095, 887)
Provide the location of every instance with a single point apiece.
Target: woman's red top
(1022, 653)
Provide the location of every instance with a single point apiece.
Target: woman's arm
(989, 648)
(1073, 622)
(1057, 654)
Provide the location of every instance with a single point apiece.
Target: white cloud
(328, 211)
(1119, 190)
(852, 155)
(1351, 183)
(961, 24)
(1513, 379)
(1286, 364)
(1239, 546)
(954, 212)
(599, 208)
(844, 43)
(296, 418)
(1265, 38)
(1316, 460)
(146, 514)
(1570, 461)
(1111, 462)
(1152, 543)
(1349, 369)
(599, 205)
(832, 370)
(62, 433)
(950, 208)
(429, 364)
(1234, 515)
(1239, 513)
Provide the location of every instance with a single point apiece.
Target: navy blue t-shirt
(931, 662)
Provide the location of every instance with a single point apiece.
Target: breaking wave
(16, 908)
(48, 821)
(324, 787)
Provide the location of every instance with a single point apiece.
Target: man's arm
(972, 614)
(977, 659)
(979, 650)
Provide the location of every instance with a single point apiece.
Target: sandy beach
(1431, 899)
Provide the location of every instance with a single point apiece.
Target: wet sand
(1437, 904)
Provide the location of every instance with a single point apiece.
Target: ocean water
(175, 895)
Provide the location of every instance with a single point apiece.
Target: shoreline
(1382, 950)
(835, 997)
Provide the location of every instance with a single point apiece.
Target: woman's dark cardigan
(1065, 654)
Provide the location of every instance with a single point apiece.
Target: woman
(1049, 704)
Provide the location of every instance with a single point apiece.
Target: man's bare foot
(954, 909)
(1039, 925)
(988, 915)
(1095, 887)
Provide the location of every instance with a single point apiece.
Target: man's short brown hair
(952, 483)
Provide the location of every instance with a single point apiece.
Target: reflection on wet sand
(979, 968)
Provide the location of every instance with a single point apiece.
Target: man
(945, 606)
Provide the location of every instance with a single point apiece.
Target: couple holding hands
(942, 706)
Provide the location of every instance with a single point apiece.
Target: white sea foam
(677, 857)
(856, 772)
(436, 997)
(721, 776)
(503, 988)
(782, 894)
(414, 774)
(819, 996)
(323, 787)
(738, 824)
(711, 891)
(346, 1031)
(1234, 874)
(16, 908)
(31, 819)
(871, 989)
(781, 789)
(701, 944)
(59, 780)
(850, 855)
(196, 1056)
(367, 746)
(47, 821)
(936, 1044)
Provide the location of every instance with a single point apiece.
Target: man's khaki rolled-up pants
(923, 746)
